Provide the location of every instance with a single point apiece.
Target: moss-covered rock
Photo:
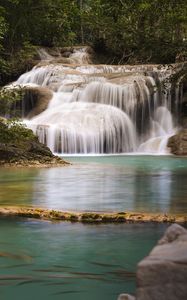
(19, 146)
(90, 217)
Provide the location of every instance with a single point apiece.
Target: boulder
(35, 100)
(28, 153)
(162, 275)
(178, 143)
(19, 146)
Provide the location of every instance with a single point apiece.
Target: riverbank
(92, 217)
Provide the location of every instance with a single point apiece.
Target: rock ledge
(162, 275)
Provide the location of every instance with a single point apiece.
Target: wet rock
(126, 297)
(178, 143)
(162, 275)
(66, 54)
(6, 152)
(35, 101)
(181, 57)
(172, 233)
(184, 119)
(32, 101)
(28, 153)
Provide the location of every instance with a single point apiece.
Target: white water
(102, 109)
(85, 128)
(162, 128)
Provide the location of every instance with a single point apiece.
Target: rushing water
(102, 108)
(101, 183)
(43, 260)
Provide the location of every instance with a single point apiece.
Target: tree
(123, 30)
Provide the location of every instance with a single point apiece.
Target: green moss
(122, 213)
(93, 218)
(90, 216)
(121, 219)
(29, 215)
(73, 218)
(108, 218)
(53, 213)
(114, 218)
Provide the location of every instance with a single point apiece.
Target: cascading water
(161, 129)
(85, 128)
(102, 109)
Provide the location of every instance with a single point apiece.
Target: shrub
(15, 132)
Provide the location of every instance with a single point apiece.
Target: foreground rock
(28, 154)
(89, 217)
(20, 147)
(178, 143)
(162, 275)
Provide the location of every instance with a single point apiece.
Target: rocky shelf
(28, 153)
(162, 274)
(91, 217)
(34, 163)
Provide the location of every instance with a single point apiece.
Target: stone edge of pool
(54, 163)
(91, 217)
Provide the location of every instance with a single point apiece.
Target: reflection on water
(134, 183)
(71, 261)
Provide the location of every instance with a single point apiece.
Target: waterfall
(73, 55)
(85, 128)
(161, 129)
(44, 55)
(102, 108)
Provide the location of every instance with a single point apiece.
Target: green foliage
(8, 97)
(14, 132)
(41, 22)
(21, 60)
(138, 31)
(3, 31)
(3, 26)
(124, 30)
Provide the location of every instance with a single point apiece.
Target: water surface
(108, 183)
(43, 260)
